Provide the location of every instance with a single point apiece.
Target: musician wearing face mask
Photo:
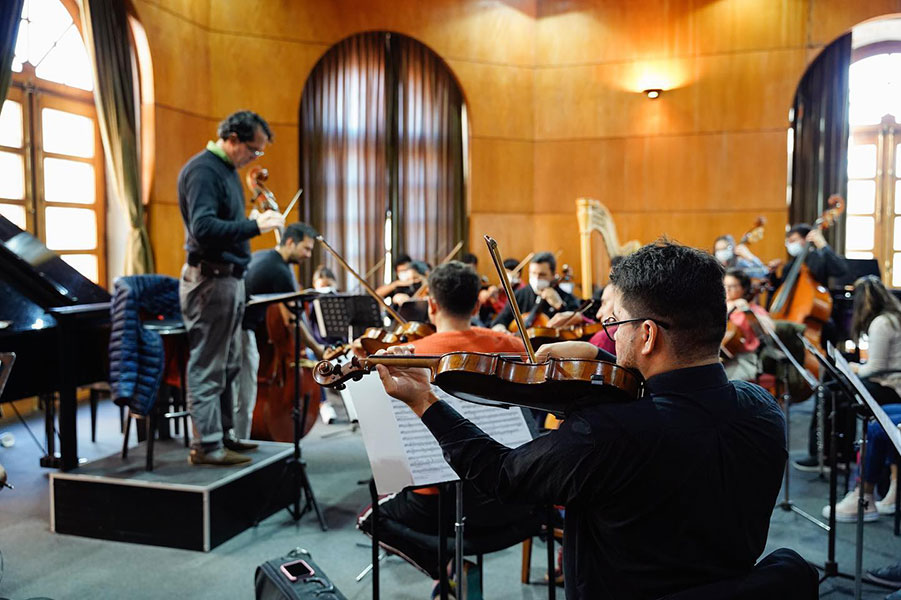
(822, 261)
(542, 271)
(733, 256)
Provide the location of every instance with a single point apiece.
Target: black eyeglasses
(610, 322)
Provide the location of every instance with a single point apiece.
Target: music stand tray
(345, 316)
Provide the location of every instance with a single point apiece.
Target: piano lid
(40, 274)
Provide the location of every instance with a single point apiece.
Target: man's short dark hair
(469, 258)
(743, 280)
(323, 272)
(801, 229)
(680, 286)
(244, 124)
(402, 259)
(510, 263)
(548, 258)
(455, 288)
(297, 232)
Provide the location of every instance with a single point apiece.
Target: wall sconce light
(653, 93)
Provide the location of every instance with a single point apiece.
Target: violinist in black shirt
(542, 271)
(662, 494)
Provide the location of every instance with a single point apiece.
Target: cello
(800, 298)
(272, 414)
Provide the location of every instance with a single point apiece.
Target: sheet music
(402, 451)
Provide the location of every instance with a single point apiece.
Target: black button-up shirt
(662, 494)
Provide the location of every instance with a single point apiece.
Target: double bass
(800, 298)
(272, 414)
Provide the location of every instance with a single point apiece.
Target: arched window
(382, 150)
(873, 224)
(51, 160)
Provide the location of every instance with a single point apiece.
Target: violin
(272, 414)
(582, 331)
(263, 198)
(556, 385)
(800, 298)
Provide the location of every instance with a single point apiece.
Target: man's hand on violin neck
(412, 386)
(582, 350)
(552, 297)
(269, 220)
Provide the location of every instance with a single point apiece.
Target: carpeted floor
(37, 563)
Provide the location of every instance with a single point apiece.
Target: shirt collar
(218, 151)
(691, 378)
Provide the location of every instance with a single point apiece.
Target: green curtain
(10, 16)
(105, 26)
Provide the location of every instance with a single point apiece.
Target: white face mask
(794, 248)
(514, 279)
(538, 284)
(724, 256)
(326, 289)
(567, 286)
(406, 275)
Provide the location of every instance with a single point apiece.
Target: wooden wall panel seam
(672, 57)
(674, 134)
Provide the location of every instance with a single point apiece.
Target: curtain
(10, 16)
(381, 129)
(820, 135)
(106, 30)
(342, 153)
(430, 206)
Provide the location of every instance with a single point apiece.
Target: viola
(272, 414)
(800, 298)
(263, 198)
(556, 385)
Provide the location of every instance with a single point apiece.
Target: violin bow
(292, 203)
(362, 281)
(499, 265)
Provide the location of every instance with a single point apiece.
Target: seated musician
(743, 365)
(823, 263)
(269, 272)
(733, 256)
(405, 278)
(324, 280)
(601, 339)
(664, 493)
(877, 313)
(542, 270)
(454, 289)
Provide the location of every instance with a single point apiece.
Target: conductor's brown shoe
(222, 457)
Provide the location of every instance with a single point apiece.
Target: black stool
(167, 406)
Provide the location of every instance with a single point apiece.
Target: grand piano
(57, 323)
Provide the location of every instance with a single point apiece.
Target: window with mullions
(51, 160)
(873, 223)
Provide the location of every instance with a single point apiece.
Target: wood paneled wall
(552, 89)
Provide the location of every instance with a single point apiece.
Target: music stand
(6, 366)
(788, 359)
(345, 316)
(295, 468)
(856, 388)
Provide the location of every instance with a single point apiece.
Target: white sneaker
(886, 506)
(846, 508)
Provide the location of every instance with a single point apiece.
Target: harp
(594, 216)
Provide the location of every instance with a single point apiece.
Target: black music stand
(6, 366)
(295, 468)
(855, 388)
(786, 360)
(345, 316)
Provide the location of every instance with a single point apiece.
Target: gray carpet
(39, 563)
